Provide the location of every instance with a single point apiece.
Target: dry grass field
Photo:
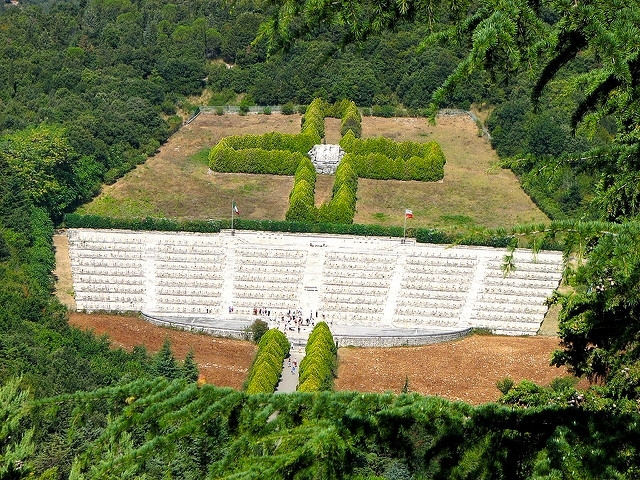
(474, 191)
(176, 183)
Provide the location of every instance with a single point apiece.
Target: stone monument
(326, 158)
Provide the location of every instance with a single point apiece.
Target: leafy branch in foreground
(599, 323)
(16, 445)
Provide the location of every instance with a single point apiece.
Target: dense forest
(89, 89)
(114, 74)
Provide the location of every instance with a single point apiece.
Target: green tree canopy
(44, 161)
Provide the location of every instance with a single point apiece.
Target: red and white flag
(408, 213)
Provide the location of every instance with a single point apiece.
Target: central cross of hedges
(286, 154)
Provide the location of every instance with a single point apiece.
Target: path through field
(467, 369)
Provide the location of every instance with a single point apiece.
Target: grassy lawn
(177, 183)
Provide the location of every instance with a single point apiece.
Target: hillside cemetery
(371, 290)
(349, 281)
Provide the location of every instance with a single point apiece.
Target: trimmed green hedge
(74, 220)
(342, 206)
(422, 235)
(319, 365)
(272, 153)
(264, 373)
(384, 159)
(351, 120)
(385, 146)
(302, 206)
(313, 120)
(301, 203)
(223, 158)
(272, 141)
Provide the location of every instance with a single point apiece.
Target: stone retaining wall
(398, 340)
(215, 331)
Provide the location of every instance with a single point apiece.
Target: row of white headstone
(372, 281)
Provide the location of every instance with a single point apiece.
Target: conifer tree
(16, 445)
(165, 363)
(189, 368)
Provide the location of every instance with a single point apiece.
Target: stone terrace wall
(398, 340)
(368, 282)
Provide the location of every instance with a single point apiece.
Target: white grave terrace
(361, 286)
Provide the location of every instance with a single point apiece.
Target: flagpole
(232, 212)
(404, 231)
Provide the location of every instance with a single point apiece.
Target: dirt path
(62, 272)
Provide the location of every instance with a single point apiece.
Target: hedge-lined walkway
(289, 380)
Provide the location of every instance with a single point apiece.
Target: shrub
(422, 235)
(345, 175)
(73, 220)
(351, 120)
(337, 110)
(342, 206)
(302, 197)
(318, 367)
(256, 330)
(288, 109)
(175, 122)
(305, 173)
(313, 120)
(254, 160)
(505, 385)
(386, 111)
(264, 373)
(384, 159)
(270, 141)
(301, 203)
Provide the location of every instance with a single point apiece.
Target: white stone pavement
(290, 372)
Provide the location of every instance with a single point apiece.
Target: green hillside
(89, 90)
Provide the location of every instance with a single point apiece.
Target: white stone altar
(326, 158)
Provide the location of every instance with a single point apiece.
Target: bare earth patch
(224, 362)
(62, 272)
(466, 370)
